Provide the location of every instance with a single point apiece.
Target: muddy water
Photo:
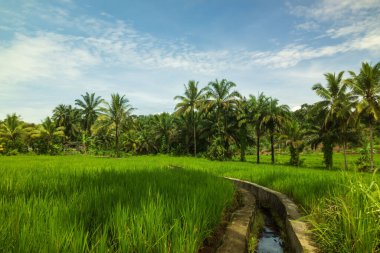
(270, 240)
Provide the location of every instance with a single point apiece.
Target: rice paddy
(83, 204)
(167, 204)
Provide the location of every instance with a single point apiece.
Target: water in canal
(270, 238)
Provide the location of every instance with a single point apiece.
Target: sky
(51, 52)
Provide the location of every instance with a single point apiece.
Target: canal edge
(298, 234)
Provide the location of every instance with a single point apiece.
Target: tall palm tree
(90, 110)
(114, 115)
(347, 130)
(275, 118)
(367, 86)
(189, 103)
(335, 107)
(11, 129)
(333, 95)
(221, 99)
(245, 118)
(259, 109)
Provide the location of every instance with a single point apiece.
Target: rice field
(167, 204)
(84, 204)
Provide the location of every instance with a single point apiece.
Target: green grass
(315, 160)
(88, 201)
(84, 204)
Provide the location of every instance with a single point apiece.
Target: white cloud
(325, 10)
(46, 56)
(308, 26)
(91, 52)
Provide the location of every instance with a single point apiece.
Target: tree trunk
(328, 153)
(258, 146)
(272, 147)
(345, 156)
(294, 155)
(187, 144)
(371, 144)
(195, 137)
(117, 140)
(243, 143)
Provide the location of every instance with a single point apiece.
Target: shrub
(363, 163)
(216, 150)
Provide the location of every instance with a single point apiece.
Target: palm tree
(11, 129)
(294, 136)
(49, 131)
(245, 118)
(189, 103)
(114, 116)
(164, 131)
(333, 95)
(347, 130)
(367, 86)
(221, 99)
(68, 117)
(275, 118)
(259, 108)
(89, 109)
(335, 108)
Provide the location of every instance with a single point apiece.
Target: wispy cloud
(89, 50)
(116, 43)
(308, 26)
(342, 17)
(326, 10)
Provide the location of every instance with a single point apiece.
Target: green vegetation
(215, 121)
(83, 204)
(256, 229)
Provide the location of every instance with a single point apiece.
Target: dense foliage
(215, 121)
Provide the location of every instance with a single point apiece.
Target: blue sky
(51, 52)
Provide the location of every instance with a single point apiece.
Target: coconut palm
(274, 119)
(49, 132)
(69, 118)
(366, 85)
(11, 129)
(221, 99)
(114, 116)
(345, 116)
(246, 117)
(189, 103)
(294, 137)
(333, 95)
(259, 109)
(164, 130)
(89, 106)
(333, 107)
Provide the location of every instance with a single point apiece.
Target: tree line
(215, 121)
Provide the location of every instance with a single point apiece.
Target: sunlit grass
(86, 202)
(83, 204)
(315, 160)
